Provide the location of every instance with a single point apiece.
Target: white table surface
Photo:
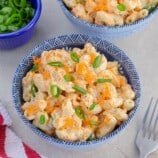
(142, 48)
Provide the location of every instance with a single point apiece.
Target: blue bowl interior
(70, 41)
(34, 4)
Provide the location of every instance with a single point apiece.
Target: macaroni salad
(76, 95)
(111, 12)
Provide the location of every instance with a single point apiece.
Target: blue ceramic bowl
(70, 41)
(106, 32)
(21, 36)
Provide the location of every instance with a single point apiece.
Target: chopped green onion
(56, 64)
(42, 119)
(24, 14)
(12, 28)
(91, 137)
(5, 17)
(10, 3)
(92, 106)
(14, 19)
(80, 113)
(6, 10)
(121, 7)
(103, 80)
(3, 28)
(35, 67)
(151, 7)
(94, 123)
(34, 90)
(22, 3)
(1, 19)
(55, 91)
(74, 57)
(97, 61)
(3, 3)
(79, 89)
(15, 14)
(31, 12)
(68, 78)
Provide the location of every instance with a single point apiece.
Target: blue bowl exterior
(20, 37)
(69, 41)
(16, 41)
(107, 32)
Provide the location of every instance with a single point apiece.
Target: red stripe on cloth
(30, 153)
(1, 120)
(2, 142)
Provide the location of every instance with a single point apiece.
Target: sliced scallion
(103, 80)
(35, 67)
(92, 106)
(42, 119)
(3, 28)
(151, 7)
(34, 90)
(56, 64)
(97, 61)
(55, 91)
(74, 57)
(121, 7)
(68, 78)
(79, 89)
(80, 113)
(91, 137)
(94, 123)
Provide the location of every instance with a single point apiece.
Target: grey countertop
(142, 48)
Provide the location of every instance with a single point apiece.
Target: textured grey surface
(142, 48)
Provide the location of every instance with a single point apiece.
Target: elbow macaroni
(99, 102)
(110, 12)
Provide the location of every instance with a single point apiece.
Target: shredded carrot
(90, 77)
(81, 68)
(50, 108)
(101, 101)
(86, 122)
(45, 74)
(106, 94)
(66, 69)
(68, 123)
(33, 109)
(101, 6)
(37, 60)
(93, 56)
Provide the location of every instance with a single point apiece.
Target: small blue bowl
(21, 36)
(106, 32)
(70, 41)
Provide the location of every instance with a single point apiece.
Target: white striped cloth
(11, 146)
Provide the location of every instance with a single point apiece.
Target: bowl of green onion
(17, 21)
